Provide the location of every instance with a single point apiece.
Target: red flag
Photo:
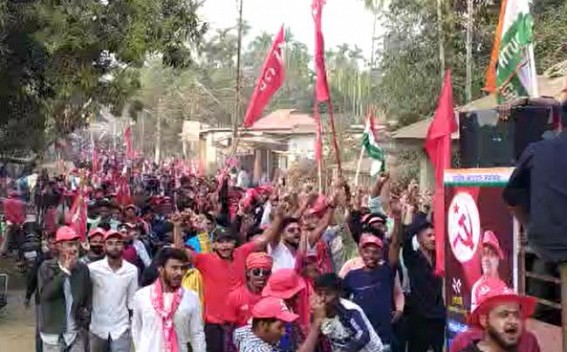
(128, 140)
(77, 219)
(123, 194)
(438, 147)
(270, 80)
(321, 87)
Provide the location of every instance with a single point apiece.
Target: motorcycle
(31, 246)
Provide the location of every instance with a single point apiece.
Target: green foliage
(409, 74)
(62, 60)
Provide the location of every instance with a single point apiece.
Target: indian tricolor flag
(370, 144)
(511, 73)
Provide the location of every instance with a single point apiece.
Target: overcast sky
(344, 21)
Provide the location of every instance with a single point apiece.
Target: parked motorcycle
(31, 246)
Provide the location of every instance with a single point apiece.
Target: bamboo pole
(359, 165)
(236, 112)
(334, 137)
(440, 34)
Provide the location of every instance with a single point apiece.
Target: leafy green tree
(63, 60)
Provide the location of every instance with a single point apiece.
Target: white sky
(344, 21)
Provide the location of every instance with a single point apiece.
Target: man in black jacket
(65, 292)
(32, 289)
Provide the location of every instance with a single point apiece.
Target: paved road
(17, 325)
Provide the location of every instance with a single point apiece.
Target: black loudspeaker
(488, 141)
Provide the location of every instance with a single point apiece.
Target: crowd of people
(173, 261)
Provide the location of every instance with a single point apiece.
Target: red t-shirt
(14, 211)
(528, 341)
(220, 277)
(239, 303)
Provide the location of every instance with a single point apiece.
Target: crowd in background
(161, 258)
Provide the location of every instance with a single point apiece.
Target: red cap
(272, 307)
(490, 239)
(66, 233)
(493, 292)
(96, 231)
(284, 284)
(367, 239)
(112, 233)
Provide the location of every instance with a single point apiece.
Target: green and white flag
(512, 73)
(371, 146)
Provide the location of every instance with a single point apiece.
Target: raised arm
(272, 234)
(396, 239)
(324, 222)
(176, 219)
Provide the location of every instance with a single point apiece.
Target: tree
(63, 60)
(408, 79)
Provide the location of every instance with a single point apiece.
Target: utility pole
(441, 37)
(468, 83)
(236, 112)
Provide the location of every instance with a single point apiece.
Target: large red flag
(438, 147)
(270, 80)
(321, 87)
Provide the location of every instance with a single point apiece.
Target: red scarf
(166, 315)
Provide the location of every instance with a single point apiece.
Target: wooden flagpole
(359, 165)
(334, 137)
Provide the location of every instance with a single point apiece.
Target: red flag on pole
(128, 140)
(322, 87)
(438, 147)
(270, 80)
(77, 219)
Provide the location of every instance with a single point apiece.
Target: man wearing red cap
(372, 286)
(288, 285)
(115, 282)
(490, 257)
(500, 314)
(65, 291)
(96, 247)
(269, 317)
(240, 300)
(222, 271)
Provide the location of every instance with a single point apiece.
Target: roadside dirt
(17, 324)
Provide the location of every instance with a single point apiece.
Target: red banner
(438, 147)
(270, 80)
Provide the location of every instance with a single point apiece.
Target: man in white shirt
(115, 282)
(284, 247)
(167, 317)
